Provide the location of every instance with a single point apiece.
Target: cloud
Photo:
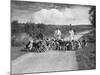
(48, 13)
(62, 17)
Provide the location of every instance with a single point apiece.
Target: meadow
(21, 32)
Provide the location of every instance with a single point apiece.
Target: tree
(29, 28)
(14, 27)
(15, 22)
(92, 17)
(39, 36)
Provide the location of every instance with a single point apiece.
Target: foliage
(92, 17)
(86, 57)
(41, 30)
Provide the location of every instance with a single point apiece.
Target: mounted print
(52, 37)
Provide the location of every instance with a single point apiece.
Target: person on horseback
(71, 34)
(57, 34)
(71, 39)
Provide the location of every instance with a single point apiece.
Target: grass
(86, 57)
(15, 52)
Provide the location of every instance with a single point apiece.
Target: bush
(20, 39)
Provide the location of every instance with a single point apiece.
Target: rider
(72, 40)
(71, 31)
(57, 34)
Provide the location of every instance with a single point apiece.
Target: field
(15, 52)
(86, 57)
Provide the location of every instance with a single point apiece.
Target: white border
(86, 2)
(5, 36)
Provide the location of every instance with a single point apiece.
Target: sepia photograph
(52, 37)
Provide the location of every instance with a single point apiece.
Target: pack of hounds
(54, 44)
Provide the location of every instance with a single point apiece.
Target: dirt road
(43, 62)
(47, 61)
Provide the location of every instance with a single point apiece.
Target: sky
(50, 13)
